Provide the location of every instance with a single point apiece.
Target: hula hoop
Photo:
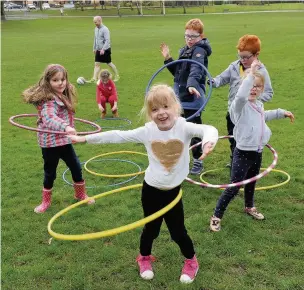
(110, 185)
(257, 188)
(115, 119)
(110, 232)
(11, 120)
(185, 60)
(113, 175)
(240, 183)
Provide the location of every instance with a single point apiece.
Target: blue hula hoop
(185, 60)
(110, 185)
(115, 119)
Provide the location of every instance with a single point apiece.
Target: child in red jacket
(106, 93)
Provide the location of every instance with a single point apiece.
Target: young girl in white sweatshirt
(167, 138)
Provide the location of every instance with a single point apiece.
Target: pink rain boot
(80, 192)
(46, 201)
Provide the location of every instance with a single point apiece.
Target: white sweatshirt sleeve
(206, 132)
(115, 136)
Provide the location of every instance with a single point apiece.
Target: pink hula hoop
(11, 120)
(240, 183)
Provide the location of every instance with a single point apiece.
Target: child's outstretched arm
(207, 149)
(223, 78)
(115, 136)
(289, 115)
(278, 114)
(241, 97)
(207, 133)
(77, 139)
(165, 51)
(267, 94)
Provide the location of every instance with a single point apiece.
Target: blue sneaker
(197, 167)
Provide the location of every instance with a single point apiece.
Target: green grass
(246, 254)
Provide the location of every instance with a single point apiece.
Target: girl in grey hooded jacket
(251, 135)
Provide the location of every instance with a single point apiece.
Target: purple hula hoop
(240, 183)
(11, 120)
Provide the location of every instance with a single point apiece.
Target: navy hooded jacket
(188, 74)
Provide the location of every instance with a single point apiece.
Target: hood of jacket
(205, 44)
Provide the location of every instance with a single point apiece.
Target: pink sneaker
(189, 271)
(145, 267)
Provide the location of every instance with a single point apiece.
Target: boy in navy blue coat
(190, 78)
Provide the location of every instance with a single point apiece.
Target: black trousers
(197, 151)
(230, 127)
(153, 200)
(246, 164)
(51, 157)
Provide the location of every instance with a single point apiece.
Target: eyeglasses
(245, 57)
(192, 36)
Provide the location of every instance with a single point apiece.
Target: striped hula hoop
(240, 183)
(11, 120)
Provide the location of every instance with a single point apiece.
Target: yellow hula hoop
(113, 175)
(257, 188)
(110, 232)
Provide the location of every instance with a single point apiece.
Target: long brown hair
(42, 91)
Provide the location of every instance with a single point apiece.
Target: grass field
(245, 255)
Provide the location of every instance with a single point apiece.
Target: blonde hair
(104, 73)
(257, 75)
(42, 91)
(160, 95)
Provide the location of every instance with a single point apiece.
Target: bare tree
(2, 11)
(40, 5)
(162, 5)
(139, 7)
(184, 7)
(118, 8)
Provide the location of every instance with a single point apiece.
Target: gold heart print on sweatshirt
(168, 152)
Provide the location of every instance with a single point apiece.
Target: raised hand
(164, 48)
(256, 64)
